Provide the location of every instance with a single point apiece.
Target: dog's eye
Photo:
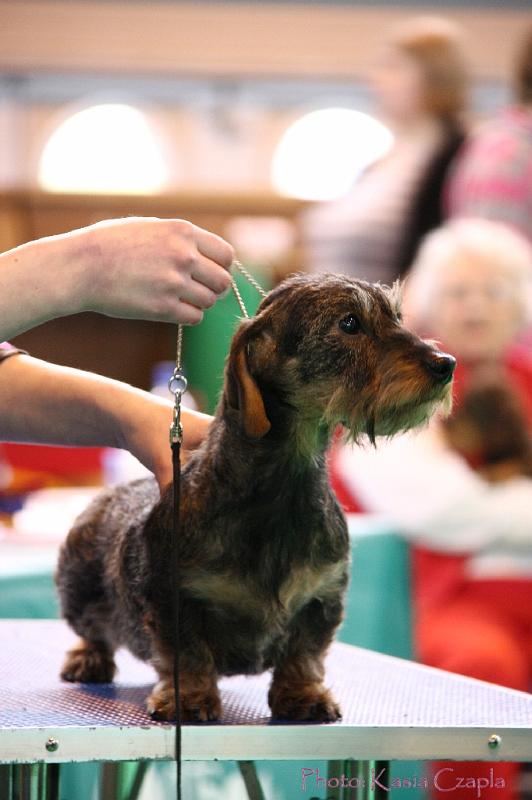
(349, 324)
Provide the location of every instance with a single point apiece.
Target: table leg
(376, 776)
(251, 780)
(24, 782)
(334, 770)
(138, 780)
(109, 780)
(380, 792)
(6, 780)
(51, 778)
(29, 781)
(349, 779)
(345, 772)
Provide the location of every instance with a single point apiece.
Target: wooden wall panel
(227, 39)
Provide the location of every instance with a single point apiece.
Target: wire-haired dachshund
(263, 544)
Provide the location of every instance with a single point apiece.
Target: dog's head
(328, 349)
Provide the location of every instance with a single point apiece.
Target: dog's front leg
(297, 691)
(198, 689)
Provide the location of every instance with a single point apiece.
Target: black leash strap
(177, 386)
(176, 463)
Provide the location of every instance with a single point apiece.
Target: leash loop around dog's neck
(240, 267)
(177, 386)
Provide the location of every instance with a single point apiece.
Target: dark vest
(427, 210)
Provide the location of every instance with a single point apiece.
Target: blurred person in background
(461, 490)
(420, 85)
(493, 175)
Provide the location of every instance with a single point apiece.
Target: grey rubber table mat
(391, 709)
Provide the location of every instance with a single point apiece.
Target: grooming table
(393, 709)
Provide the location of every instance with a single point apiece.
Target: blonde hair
(491, 243)
(437, 46)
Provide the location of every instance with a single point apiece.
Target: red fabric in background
(482, 629)
(517, 367)
(479, 628)
(71, 464)
(35, 466)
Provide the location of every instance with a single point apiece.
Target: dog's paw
(161, 702)
(88, 663)
(312, 705)
(206, 708)
(194, 707)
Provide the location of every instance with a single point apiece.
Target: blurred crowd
(449, 210)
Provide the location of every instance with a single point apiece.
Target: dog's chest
(305, 583)
(280, 601)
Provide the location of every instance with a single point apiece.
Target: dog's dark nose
(441, 366)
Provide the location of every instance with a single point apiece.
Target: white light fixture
(320, 156)
(104, 149)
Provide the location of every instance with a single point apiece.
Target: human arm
(157, 269)
(44, 403)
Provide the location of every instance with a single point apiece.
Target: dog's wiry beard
(404, 418)
(374, 419)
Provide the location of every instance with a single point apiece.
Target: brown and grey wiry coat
(263, 546)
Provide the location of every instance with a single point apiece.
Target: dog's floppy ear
(241, 389)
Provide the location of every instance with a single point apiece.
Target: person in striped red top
(493, 175)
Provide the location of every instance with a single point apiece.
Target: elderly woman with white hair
(470, 287)
(461, 490)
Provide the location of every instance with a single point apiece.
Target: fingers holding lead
(215, 248)
(188, 314)
(211, 275)
(201, 267)
(196, 294)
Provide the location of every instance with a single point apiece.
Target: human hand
(145, 435)
(81, 409)
(167, 270)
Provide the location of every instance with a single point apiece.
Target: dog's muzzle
(441, 366)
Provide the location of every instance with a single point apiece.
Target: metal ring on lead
(177, 384)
